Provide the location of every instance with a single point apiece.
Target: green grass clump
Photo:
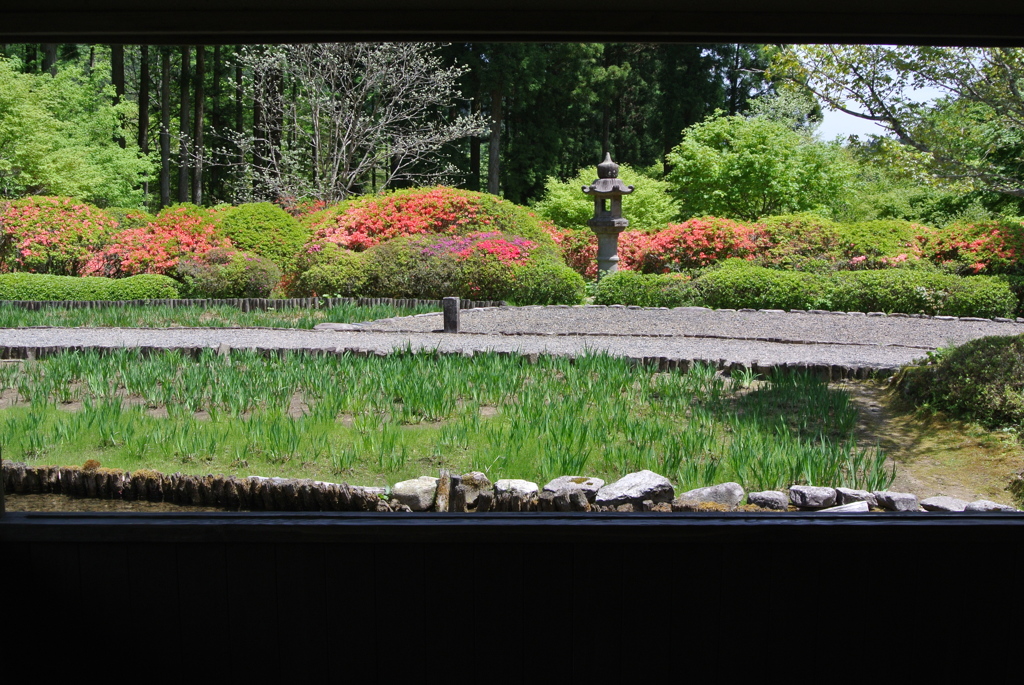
(196, 316)
(379, 420)
(980, 381)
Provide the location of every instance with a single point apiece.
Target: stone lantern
(607, 222)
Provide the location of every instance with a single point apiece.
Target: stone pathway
(847, 344)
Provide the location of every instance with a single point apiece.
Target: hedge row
(737, 284)
(27, 286)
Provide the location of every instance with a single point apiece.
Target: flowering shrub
(360, 224)
(184, 230)
(51, 235)
(700, 242)
(989, 247)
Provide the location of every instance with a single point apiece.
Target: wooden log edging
(251, 494)
(246, 304)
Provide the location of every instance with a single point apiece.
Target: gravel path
(723, 337)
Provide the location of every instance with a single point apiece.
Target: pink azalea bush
(51, 235)
(362, 223)
(156, 248)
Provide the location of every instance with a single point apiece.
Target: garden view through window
(222, 268)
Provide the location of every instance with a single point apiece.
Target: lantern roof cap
(608, 186)
(606, 182)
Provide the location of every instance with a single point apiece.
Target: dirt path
(936, 456)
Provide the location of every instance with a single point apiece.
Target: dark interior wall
(988, 22)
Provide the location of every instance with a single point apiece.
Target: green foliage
(26, 286)
(226, 273)
(649, 207)
(58, 136)
(266, 230)
(737, 284)
(743, 168)
(415, 267)
(645, 290)
(804, 242)
(336, 271)
(919, 292)
(981, 380)
(127, 217)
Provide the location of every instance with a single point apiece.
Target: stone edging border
(469, 493)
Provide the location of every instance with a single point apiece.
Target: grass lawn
(378, 420)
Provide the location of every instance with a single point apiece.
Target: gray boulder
(726, 494)
(848, 496)
(417, 494)
(769, 499)
(523, 489)
(812, 497)
(589, 486)
(897, 501)
(943, 503)
(634, 488)
(987, 505)
(473, 483)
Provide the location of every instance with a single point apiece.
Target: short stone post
(450, 307)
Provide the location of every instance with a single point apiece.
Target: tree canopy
(747, 167)
(970, 133)
(59, 135)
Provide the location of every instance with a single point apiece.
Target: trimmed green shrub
(335, 272)
(918, 292)
(880, 241)
(981, 380)
(266, 230)
(645, 290)
(26, 286)
(737, 284)
(805, 242)
(224, 273)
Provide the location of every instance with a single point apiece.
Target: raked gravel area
(725, 337)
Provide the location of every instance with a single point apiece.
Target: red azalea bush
(992, 247)
(180, 231)
(700, 242)
(51, 235)
(362, 223)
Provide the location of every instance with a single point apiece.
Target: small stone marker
(450, 307)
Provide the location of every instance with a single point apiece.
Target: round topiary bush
(179, 231)
(266, 230)
(224, 273)
(981, 380)
(51, 235)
